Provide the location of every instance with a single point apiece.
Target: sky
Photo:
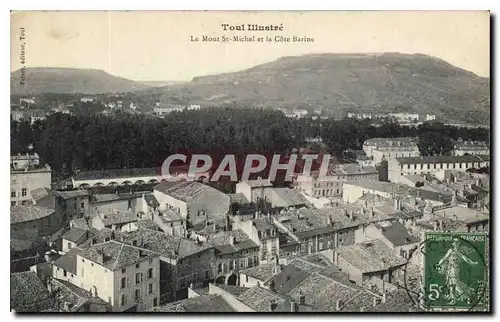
(157, 46)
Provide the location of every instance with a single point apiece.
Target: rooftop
(122, 217)
(261, 272)
(181, 190)
(77, 235)
(203, 303)
(238, 198)
(372, 256)
(28, 293)
(260, 300)
(388, 142)
(290, 197)
(68, 261)
(459, 213)
(443, 159)
(165, 245)
(19, 214)
(397, 234)
(115, 255)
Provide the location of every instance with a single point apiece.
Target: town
(128, 240)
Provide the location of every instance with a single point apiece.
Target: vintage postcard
(259, 161)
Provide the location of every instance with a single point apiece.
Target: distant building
(399, 167)
(430, 117)
(471, 148)
(86, 99)
(380, 149)
(27, 174)
(331, 186)
(165, 110)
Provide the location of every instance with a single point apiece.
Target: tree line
(70, 143)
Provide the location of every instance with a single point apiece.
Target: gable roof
(68, 261)
(122, 217)
(397, 234)
(290, 197)
(372, 256)
(77, 235)
(182, 190)
(115, 255)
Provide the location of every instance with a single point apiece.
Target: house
(257, 275)
(27, 174)
(234, 252)
(322, 287)
(171, 222)
(364, 261)
(28, 293)
(194, 201)
(394, 235)
(35, 221)
(115, 221)
(286, 198)
(399, 167)
(182, 260)
(330, 185)
(254, 190)
(124, 276)
(76, 236)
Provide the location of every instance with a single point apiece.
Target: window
(137, 278)
(150, 288)
(82, 205)
(12, 194)
(150, 261)
(65, 273)
(219, 268)
(74, 206)
(124, 270)
(137, 295)
(92, 264)
(124, 299)
(150, 273)
(207, 274)
(12, 203)
(23, 202)
(124, 282)
(138, 265)
(69, 245)
(83, 261)
(246, 278)
(155, 301)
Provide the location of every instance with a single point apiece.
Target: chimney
(302, 299)
(274, 305)
(293, 306)
(335, 257)
(338, 305)
(231, 239)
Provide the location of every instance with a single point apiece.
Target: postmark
(455, 271)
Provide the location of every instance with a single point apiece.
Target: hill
(390, 82)
(70, 80)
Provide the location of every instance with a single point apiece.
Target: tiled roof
(203, 303)
(20, 214)
(397, 234)
(115, 255)
(68, 261)
(181, 190)
(39, 193)
(372, 256)
(234, 290)
(151, 200)
(291, 197)
(75, 296)
(169, 215)
(263, 224)
(443, 159)
(146, 224)
(100, 236)
(322, 292)
(463, 214)
(260, 300)
(221, 241)
(122, 217)
(165, 245)
(261, 272)
(107, 197)
(238, 198)
(28, 293)
(72, 193)
(77, 235)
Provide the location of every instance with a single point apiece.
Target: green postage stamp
(455, 271)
